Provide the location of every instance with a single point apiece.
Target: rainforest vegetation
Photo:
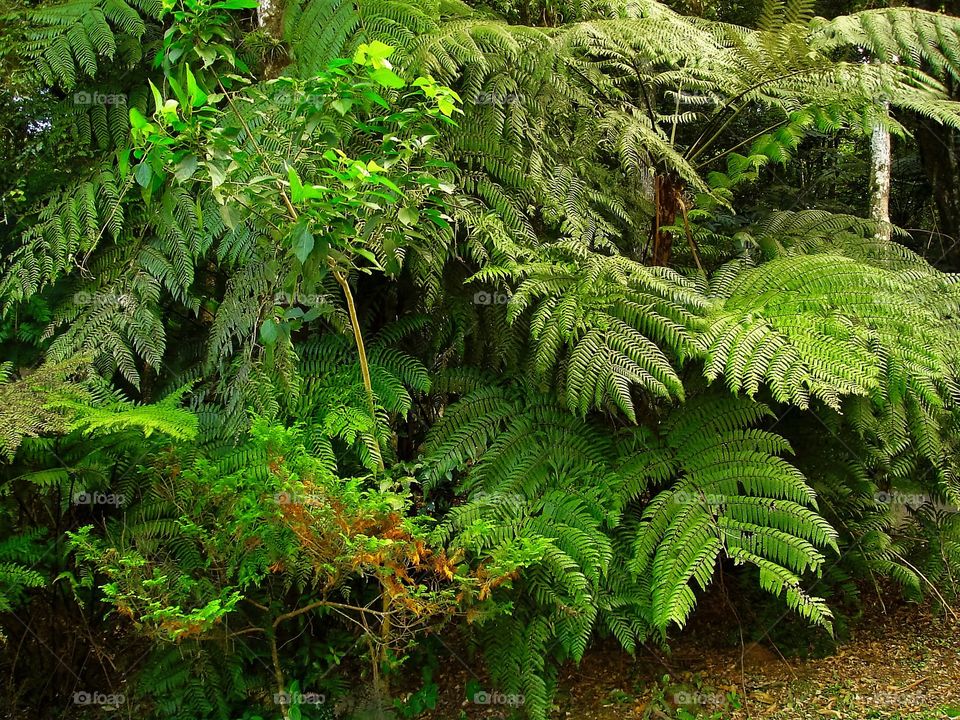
(339, 336)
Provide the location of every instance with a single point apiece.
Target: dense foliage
(339, 332)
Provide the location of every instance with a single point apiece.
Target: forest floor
(899, 662)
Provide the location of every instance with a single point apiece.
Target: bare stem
(341, 280)
(278, 674)
(361, 352)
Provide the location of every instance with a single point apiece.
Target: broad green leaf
(301, 240)
(296, 187)
(137, 120)
(170, 110)
(364, 253)
(178, 91)
(313, 313)
(381, 180)
(157, 97)
(446, 106)
(387, 78)
(206, 54)
(230, 215)
(198, 98)
(342, 105)
(269, 332)
(375, 53)
(217, 176)
(377, 98)
(143, 174)
(186, 168)
(123, 163)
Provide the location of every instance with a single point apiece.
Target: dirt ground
(900, 662)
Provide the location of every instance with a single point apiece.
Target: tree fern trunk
(667, 191)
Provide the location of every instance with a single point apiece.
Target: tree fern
(29, 407)
(733, 497)
(538, 316)
(764, 331)
(905, 34)
(612, 316)
(18, 555)
(69, 40)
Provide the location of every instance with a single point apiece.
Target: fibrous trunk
(667, 191)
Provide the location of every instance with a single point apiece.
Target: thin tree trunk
(880, 165)
(265, 11)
